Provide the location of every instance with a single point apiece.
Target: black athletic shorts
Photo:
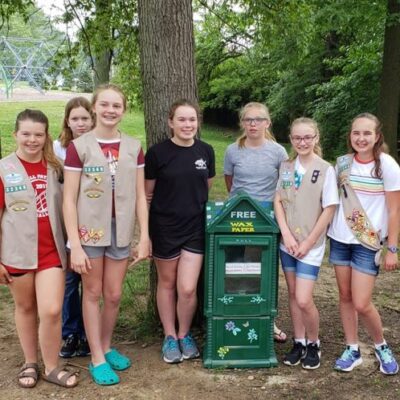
(168, 246)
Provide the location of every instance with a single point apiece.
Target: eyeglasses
(255, 121)
(307, 139)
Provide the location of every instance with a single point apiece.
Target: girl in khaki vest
(33, 247)
(103, 190)
(305, 202)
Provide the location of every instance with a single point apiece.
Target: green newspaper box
(241, 284)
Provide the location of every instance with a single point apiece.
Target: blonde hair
(48, 152)
(312, 124)
(108, 86)
(66, 135)
(264, 109)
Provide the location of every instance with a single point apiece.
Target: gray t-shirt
(254, 170)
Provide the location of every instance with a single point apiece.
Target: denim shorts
(353, 255)
(302, 270)
(112, 251)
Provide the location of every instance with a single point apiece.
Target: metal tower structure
(24, 59)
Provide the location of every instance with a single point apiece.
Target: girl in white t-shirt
(305, 203)
(374, 178)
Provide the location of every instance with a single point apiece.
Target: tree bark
(166, 43)
(167, 61)
(389, 98)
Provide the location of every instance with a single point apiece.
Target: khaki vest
(95, 193)
(354, 214)
(19, 227)
(304, 205)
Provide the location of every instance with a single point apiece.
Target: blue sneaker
(188, 347)
(170, 351)
(348, 360)
(388, 364)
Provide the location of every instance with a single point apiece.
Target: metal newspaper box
(241, 284)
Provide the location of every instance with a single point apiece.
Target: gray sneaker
(188, 347)
(170, 351)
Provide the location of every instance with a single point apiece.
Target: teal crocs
(117, 360)
(103, 374)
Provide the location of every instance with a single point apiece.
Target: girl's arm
(319, 228)
(5, 277)
(288, 239)
(142, 250)
(228, 182)
(149, 185)
(393, 205)
(80, 262)
(209, 183)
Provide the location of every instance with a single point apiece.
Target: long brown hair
(66, 135)
(314, 126)
(184, 102)
(48, 152)
(379, 147)
(264, 109)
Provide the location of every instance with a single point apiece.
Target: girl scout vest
(96, 195)
(19, 227)
(354, 214)
(303, 205)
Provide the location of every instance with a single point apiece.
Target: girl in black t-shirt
(178, 175)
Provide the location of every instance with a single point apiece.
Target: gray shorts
(113, 251)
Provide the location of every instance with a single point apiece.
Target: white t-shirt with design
(371, 193)
(329, 197)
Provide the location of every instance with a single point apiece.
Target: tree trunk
(166, 44)
(102, 66)
(389, 99)
(167, 60)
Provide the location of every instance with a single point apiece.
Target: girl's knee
(26, 307)
(304, 303)
(362, 307)
(113, 297)
(187, 292)
(51, 313)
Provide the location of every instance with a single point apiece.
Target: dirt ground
(150, 378)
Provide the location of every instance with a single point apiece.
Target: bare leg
(26, 318)
(113, 277)
(299, 330)
(166, 294)
(362, 287)
(309, 312)
(189, 267)
(50, 284)
(92, 288)
(348, 313)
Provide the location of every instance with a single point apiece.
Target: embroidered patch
(315, 176)
(19, 205)
(89, 170)
(286, 184)
(286, 175)
(18, 188)
(361, 228)
(13, 179)
(93, 193)
(90, 234)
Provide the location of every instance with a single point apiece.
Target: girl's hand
(5, 277)
(141, 251)
(303, 249)
(290, 243)
(80, 262)
(391, 261)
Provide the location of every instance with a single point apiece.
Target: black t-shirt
(181, 188)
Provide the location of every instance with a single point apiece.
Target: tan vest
(19, 233)
(95, 193)
(304, 205)
(354, 214)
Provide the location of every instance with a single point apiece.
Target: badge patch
(19, 205)
(286, 175)
(18, 188)
(93, 193)
(90, 170)
(13, 178)
(90, 234)
(315, 176)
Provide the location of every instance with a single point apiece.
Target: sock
(301, 340)
(379, 345)
(316, 341)
(353, 347)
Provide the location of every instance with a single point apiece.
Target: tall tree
(167, 60)
(166, 45)
(389, 99)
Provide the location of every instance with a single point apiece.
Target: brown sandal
(23, 373)
(52, 377)
(279, 336)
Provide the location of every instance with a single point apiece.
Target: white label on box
(243, 268)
